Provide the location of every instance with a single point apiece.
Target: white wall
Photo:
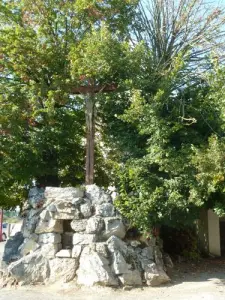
(214, 233)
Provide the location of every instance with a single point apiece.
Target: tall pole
(1, 221)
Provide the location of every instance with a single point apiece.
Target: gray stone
(28, 246)
(116, 244)
(45, 215)
(155, 276)
(105, 210)
(93, 192)
(64, 253)
(32, 268)
(76, 251)
(132, 278)
(49, 226)
(64, 206)
(104, 263)
(145, 257)
(75, 214)
(30, 223)
(52, 238)
(95, 225)
(102, 249)
(11, 250)
(50, 250)
(26, 232)
(51, 208)
(34, 237)
(105, 198)
(77, 201)
(97, 194)
(36, 197)
(158, 257)
(79, 225)
(167, 261)
(147, 252)
(68, 193)
(114, 226)
(94, 270)
(83, 239)
(63, 269)
(119, 264)
(86, 210)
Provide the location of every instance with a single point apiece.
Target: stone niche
(67, 235)
(76, 234)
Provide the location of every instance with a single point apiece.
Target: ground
(190, 281)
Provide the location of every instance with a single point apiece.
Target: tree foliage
(159, 137)
(174, 110)
(41, 64)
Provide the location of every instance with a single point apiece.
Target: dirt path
(201, 281)
(207, 290)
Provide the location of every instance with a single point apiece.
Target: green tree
(169, 113)
(43, 78)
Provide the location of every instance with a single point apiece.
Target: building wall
(214, 233)
(208, 229)
(202, 231)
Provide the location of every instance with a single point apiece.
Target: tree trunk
(90, 142)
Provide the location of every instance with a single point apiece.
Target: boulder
(116, 244)
(132, 278)
(45, 215)
(36, 197)
(51, 208)
(145, 257)
(119, 264)
(64, 206)
(50, 250)
(158, 257)
(62, 269)
(51, 238)
(114, 226)
(97, 195)
(77, 201)
(83, 239)
(79, 225)
(155, 276)
(66, 194)
(76, 251)
(30, 222)
(32, 268)
(11, 250)
(49, 226)
(94, 270)
(95, 225)
(28, 246)
(167, 261)
(86, 210)
(64, 253)
(105, 210)
(102, 249)
(69, 215)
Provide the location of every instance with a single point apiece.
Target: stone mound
(77, 234)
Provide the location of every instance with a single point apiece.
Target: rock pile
(77, 234)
